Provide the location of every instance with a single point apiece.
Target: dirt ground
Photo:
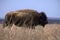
(49, 32)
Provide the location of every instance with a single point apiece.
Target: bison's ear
(42, 13)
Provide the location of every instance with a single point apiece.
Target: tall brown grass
(49, 32)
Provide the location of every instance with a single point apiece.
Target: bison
(26, 17)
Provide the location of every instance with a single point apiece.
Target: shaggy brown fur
(26, 18)
(9, 18)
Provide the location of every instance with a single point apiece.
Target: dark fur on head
(43, 19)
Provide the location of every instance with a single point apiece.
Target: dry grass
(49, 32)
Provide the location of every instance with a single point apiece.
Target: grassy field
(49, 32)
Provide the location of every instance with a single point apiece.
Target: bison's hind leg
(33, 27)
(5, 24)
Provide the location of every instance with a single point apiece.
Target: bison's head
(43, 19)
